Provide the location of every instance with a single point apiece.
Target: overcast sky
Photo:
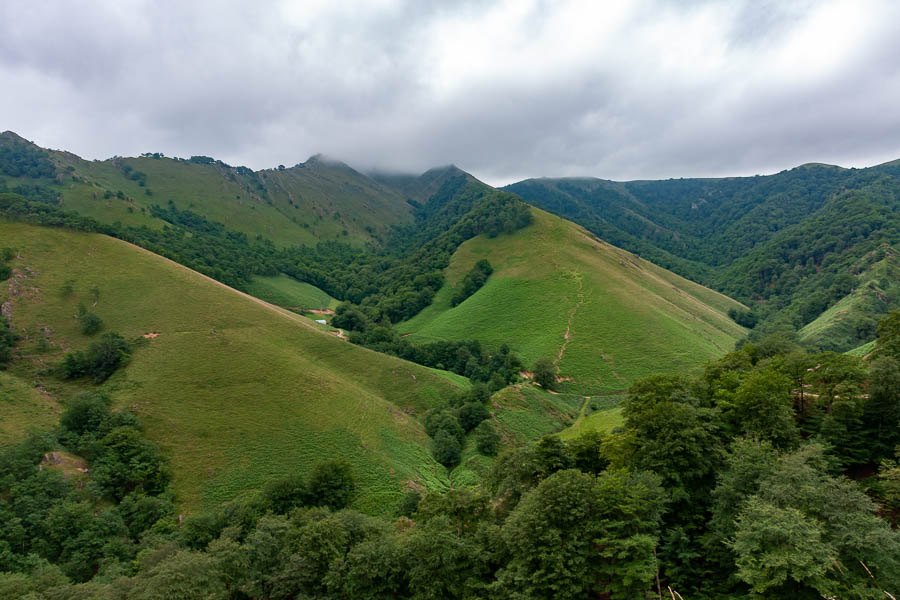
(505, 90)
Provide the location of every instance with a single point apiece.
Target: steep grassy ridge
(234, 389)
(319, 200)
(604, 315)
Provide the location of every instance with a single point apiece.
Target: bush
(332, 484)
(471, 414)
(545, 373)
(486, 439)
(99, 361)
(446, 448)
(90, 323)
(285, 493)
(443, 421)
(7, 341)
(87, 412)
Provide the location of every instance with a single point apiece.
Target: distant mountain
(787, 244)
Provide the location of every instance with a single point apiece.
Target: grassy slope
(235, 390)
(23, 406)
(626, 317)
(864, 350)
(521, 414)
(290, 293)
(315, 201)
(876, 292)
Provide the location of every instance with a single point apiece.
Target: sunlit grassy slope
(604, 315)
(290, 293)
(235, 390)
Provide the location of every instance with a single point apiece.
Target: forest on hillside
(772, 474)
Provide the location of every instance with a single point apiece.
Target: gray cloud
(505, 90)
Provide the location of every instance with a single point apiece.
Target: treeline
(472, 282)
(21, 159)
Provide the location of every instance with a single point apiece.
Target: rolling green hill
(235, 390)
(605, 316)
(313, 201)
(787, 244)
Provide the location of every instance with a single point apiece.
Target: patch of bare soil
(320, 311)
(151, 335)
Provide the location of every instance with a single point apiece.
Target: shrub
(446, 448)
(471, 414)
(545, 373)
(87, 412)
(99, 361)
(486, 439)
(7, 341)
(332, 484)
(90, 323)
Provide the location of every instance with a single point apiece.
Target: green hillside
(788, 245)
(854, 318)
(290, 293)
(235, 390)
(605, 316)
(319, 200)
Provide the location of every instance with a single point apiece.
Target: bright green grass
(625, 317)
(23, 406)
(233, 389)
(607, 417)
(864, 350)
(288, 292)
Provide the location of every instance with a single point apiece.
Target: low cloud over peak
(506, 90)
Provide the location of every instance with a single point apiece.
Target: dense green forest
(773, 474)
(789, 245)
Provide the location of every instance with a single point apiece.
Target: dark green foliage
(577, 536)
(587, 452)
(445, 448)
(90, 323)
(283, 494)
(87, 412)
(7, 342)
(749, 319)
(19, 158)
(471, 414)
(127, 462)
(443, 420)
(545, 373)
(331, 484)
(889, 335)
(472, 282)
(101, 359)
(410, 503)
(487, 441)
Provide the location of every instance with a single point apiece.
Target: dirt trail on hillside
(271, 307)
(567, 336)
